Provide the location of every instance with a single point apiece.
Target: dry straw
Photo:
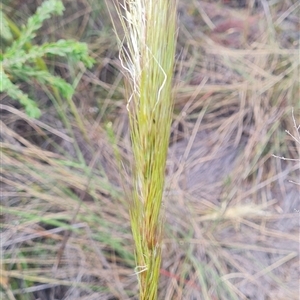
(147, 55)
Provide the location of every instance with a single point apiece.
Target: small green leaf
(14, 92)
(45, 77)
(75, 50)
(33, 111)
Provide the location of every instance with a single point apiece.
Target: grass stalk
(147, 55)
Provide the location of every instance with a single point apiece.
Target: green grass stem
(147, 54)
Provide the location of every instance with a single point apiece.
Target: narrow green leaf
(5, 31)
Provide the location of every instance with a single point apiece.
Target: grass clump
(148, 57)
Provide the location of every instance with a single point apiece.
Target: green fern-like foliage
(20, 59)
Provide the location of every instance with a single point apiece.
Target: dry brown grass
(232, 215)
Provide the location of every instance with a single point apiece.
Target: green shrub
(22, 61)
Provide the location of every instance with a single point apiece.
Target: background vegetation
(232, 209)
